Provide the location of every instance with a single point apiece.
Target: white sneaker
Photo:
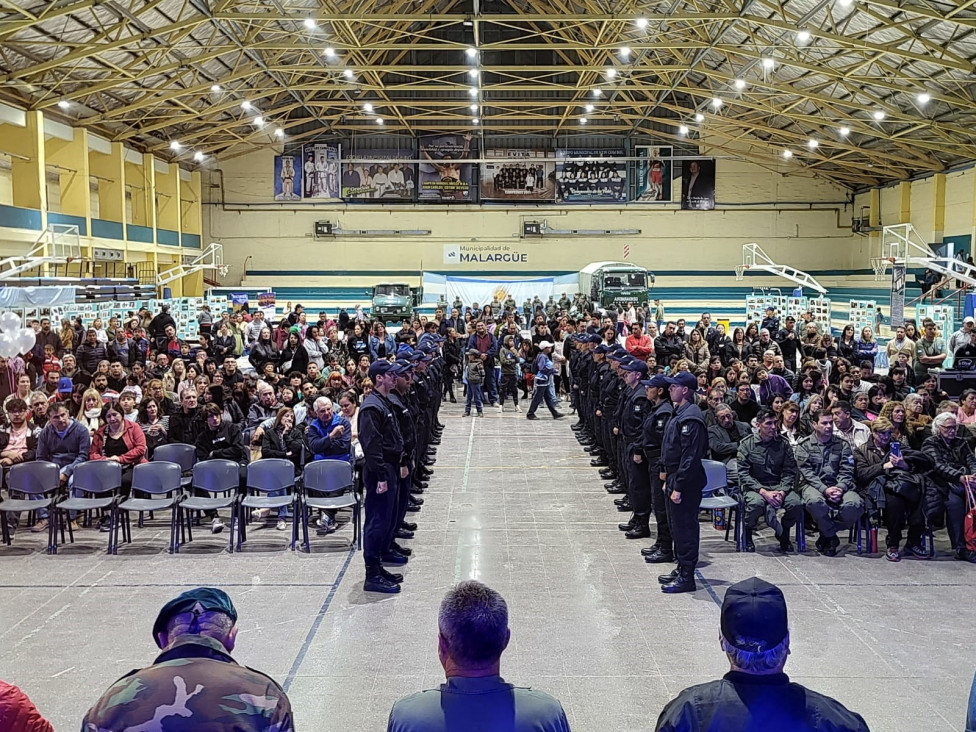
(260, 513)
(501, 409)
(518, 409)
(282, 525)
(216, 526)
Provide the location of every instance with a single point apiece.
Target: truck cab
(614, 284)
(394, 301)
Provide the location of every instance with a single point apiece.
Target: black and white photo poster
(698, 184)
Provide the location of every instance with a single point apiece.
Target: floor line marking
(310, 636)
(708, 587)
(464, 488)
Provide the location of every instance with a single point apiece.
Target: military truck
(395, 301)
(614, 284)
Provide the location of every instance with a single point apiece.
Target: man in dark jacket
(157, 326)
(756, 694)
(218, 440)
(90, 352)
(955, 467)
(723, 440)
(767, 475)
(668, 344)
(486, 344)
(187, 422)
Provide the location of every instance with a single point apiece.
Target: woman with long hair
(866, 346)
(294, 356)
(121, 441)
(154, 424)
(508, 359)
(847, 344)
(739, 348)
(751, 336)
(90, 412)
(877, 396)
(789, 423)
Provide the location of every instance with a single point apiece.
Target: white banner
(483, 291)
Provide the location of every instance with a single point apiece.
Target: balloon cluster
(14, 340)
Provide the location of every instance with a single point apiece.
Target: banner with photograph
(654, 169)
(320, 170)
(441, 178)
(591, 176)
(518, 175)
(287, 181)
(369, 175)
(698, 184)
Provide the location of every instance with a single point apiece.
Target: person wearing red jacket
(638, 344)
(17, 711)
(121, 440)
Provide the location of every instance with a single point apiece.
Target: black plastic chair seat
(148, 504)
(85, 504)
(268, 501)
(20, 504)
(331, 502)
(195, 503)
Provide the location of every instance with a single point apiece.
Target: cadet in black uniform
(385, 464)
(685, 445)
(407, 423)
(661, 412)
(633, 413)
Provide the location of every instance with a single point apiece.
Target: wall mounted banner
(287, 179)
(897, 295)
(698, 184)
(600, 179)
(441, 179)
(518, 175)
(320, 171)
(654, 169)
(387, 181)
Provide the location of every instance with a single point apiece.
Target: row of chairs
(161, 486)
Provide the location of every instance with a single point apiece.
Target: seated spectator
(122, 441)
(266, 407)
(281, 440)
(892, 484)
(18, 713)
(186, 424)
(954, 467)
(789, 424)
(771, 385)
(724, 438)
(155, 389)
(18, 443)
(853, 433)
(194, 678)
(826, 468)
(64, 442)
(90, 412)
(217, 440)
(38, 408)
(755, 694)
(744, 406)
(473, 634)
(767, 475)
(154, 425)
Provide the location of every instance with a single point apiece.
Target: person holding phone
(954, 468)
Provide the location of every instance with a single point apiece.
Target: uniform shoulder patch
(685, 429)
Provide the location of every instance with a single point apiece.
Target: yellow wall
(279, 238)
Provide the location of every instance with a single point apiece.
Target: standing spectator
(789, 341)
(508, 358)
(866, 347)
(901, 343)
(930, 351)
(659, 314)
(474, 376)
(755, 694)
(486, 345)
(205, 319)
(157, 326)
(473, 633)
(639, 344)
(696, 350)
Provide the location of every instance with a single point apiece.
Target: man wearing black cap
(385, 466)
(194, 684)
(685, 445)
(631, 428)
(655, 424)
(755, 694)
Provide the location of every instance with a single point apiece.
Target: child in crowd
(474, 374)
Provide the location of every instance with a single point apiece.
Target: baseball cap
(635, 365)
(402, 366)
(595, 339)
(969, 319)
(658, 381)
(544, 345)
(602, 348)
(404, 349)
(197, 600)
(379, 367)
(683, 378)
(754, 615)
(65, 385)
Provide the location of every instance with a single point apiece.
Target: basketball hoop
(880, 266)
(223, 269)
(739, 270)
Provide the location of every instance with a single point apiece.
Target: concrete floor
(514, 504)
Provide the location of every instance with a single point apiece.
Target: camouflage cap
(199, 600)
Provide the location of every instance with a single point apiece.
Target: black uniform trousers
(378, 526)
(660, 501)
(638, 481)
(683, 518)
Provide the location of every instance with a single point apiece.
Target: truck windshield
(392, 290)
(620, 280)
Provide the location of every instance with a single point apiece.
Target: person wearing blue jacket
(543, 377)
(487, 345)
(381, 343)
(64, 442)
(329, 434)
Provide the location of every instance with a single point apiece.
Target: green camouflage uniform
(193, 685)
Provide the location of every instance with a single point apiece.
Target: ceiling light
(683, 130)
(589, 107)
(879, 114)
(768, 63)
(175, 145)
(844, 131)
(582, 120)
(598, 92)
(198, 156)
(475, 120)
(845, 3)
(215, 88)
(247, 106)
(468, 23)
(347, 73)
(310, 23)
(329, 52)
(259, 121)
(740, 84)
(924, 98)
(473, 73)
(611, 72)
(471, 51)
(803, 36)
(699, 117)
(716, 102)
(64, 104)
(812, 144)
(279, 132)
(473, 91)
(625, 51)
(641, 22)
(379, 120)
(367, 107)
(473, 107)
(787, 154)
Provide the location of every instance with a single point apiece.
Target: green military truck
(614, 284)
(395, 301)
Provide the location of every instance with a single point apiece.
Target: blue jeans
(474, 394)
(543, 392)
(490, 387)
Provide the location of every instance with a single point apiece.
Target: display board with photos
(591, 176)
(861, 315)
(943, 315)
(698, 184)
(377, 175)
(320, 170)
(653, 173)
(757, 303)
(518, 175)
(441, 177)
(183, 309)
(819, 307)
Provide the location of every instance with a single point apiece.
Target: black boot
(609, 474)
(599, 462)
(624, 506)
(408, 525)
(649, 550)
(376, 582)
(394, 577)
(402, 549)
(684, 582)
(748, 545)
(659, 556)
(641, 529)
(669, 577)
(629, 524)
(614, 487)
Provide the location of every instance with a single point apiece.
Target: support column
(27, 172)
(874, 222)
(938, 208)
(904, 202)
(109, 172)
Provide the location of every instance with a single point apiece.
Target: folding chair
(712, 500)
(102, 479)
(217, 477)
(161, 482)
(39, 478)
(332, 483)
(180, 453)
(266, 476)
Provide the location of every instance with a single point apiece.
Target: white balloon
(7, 347)
(25, 340)
(9, 321)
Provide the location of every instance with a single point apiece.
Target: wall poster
(320, 170)
(591, 176)
(698, 184)
(654, 170)
(287, 181)
(384, 178)
(518, 175)
(442, 178)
